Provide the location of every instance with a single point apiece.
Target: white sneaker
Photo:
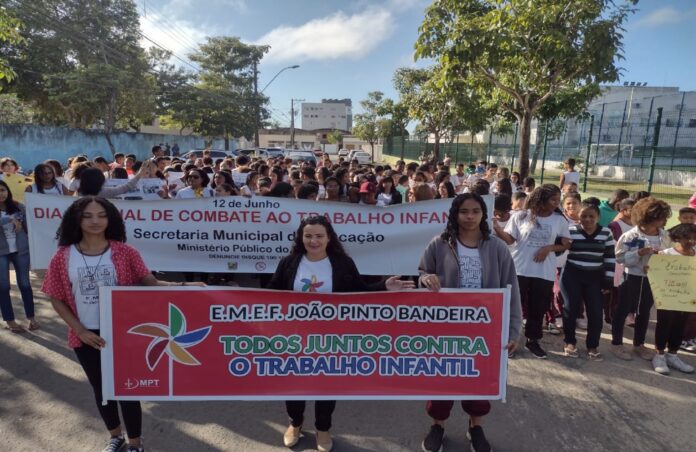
(559, 323)
(581, 323)
(659, 363)
(689, 346)
(675, 362)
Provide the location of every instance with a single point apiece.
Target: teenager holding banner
(92, 182)
(318, 263)
(466, 255)
(92, 253)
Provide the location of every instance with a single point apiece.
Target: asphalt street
(558, 404)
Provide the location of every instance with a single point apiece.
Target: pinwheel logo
(172, 340)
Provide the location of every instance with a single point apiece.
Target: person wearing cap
(368, 191)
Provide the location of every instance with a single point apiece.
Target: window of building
(692, 123)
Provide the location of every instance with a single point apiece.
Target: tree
(367, 124)
(221, 102)
(14, 111)
(524, 56)
(441, 108)
(81, 64)
(9, 35)
(334, 137)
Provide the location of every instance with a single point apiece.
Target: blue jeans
(21, 266)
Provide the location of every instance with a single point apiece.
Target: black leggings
(90, 359)
(538, 292)
(637, 297)
(669, 329)
(323, 409)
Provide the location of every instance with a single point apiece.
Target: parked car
(265, 153)
(363, 158)
(343, 152)
(296, 156)
(214, 153)
(247, 152)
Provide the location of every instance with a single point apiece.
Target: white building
(328, 114)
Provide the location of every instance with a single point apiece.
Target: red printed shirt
(130, 270)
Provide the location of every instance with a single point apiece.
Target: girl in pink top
(92, 253)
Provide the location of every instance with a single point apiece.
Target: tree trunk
(372, 147)
(107, 135)
(403, 146)
(538, 144)
(525, 131)
(436, 148)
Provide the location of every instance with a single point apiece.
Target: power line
(175, 29)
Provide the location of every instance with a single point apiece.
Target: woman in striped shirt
(588, 270)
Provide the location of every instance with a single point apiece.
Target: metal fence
(649, 144)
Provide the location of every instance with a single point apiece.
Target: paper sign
(673, 282)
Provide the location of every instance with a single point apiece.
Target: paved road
(559, 404)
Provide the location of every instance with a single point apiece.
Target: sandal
(595, 356)
(570, 352)
(15, 328)
(34, 325)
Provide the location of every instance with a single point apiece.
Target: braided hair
(538, 199)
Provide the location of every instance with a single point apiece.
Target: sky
(347, 48)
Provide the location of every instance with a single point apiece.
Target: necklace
(90, 276)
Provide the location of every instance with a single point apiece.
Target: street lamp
(256, 94)
(279, 72)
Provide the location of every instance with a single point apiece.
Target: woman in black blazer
(318, 263)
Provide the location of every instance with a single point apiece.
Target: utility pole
(256, 105)
(292, 121)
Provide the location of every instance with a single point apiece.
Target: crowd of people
(572, 262)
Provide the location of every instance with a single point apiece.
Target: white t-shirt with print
(314, 276)
(10, 233)
(469, 267)
(86, 280)
(530, 237)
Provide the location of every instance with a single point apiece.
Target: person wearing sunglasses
(197, 185)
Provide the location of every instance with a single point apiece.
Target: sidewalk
(558, 404)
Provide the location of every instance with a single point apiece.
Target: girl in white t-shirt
(670, 324)
(534, 232)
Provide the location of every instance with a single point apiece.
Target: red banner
(245, 344)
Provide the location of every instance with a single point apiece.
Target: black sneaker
(433, 442)
(115, 444)
(535, 348)
(479, 443)
(135, 449)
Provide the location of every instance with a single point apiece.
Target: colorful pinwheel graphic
(172, 340)
(311, 285)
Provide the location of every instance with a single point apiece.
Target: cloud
(174, 35)
(337, 36)
(663, 16)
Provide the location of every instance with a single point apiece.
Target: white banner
(236, 234)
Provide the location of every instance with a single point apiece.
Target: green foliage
(221, 101)
(81, 64)
(334, 137)
(442, 107)
(369, 125)
(14, 111)
(9, 35)
(539, 59)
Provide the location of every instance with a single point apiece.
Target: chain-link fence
(618, 145)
